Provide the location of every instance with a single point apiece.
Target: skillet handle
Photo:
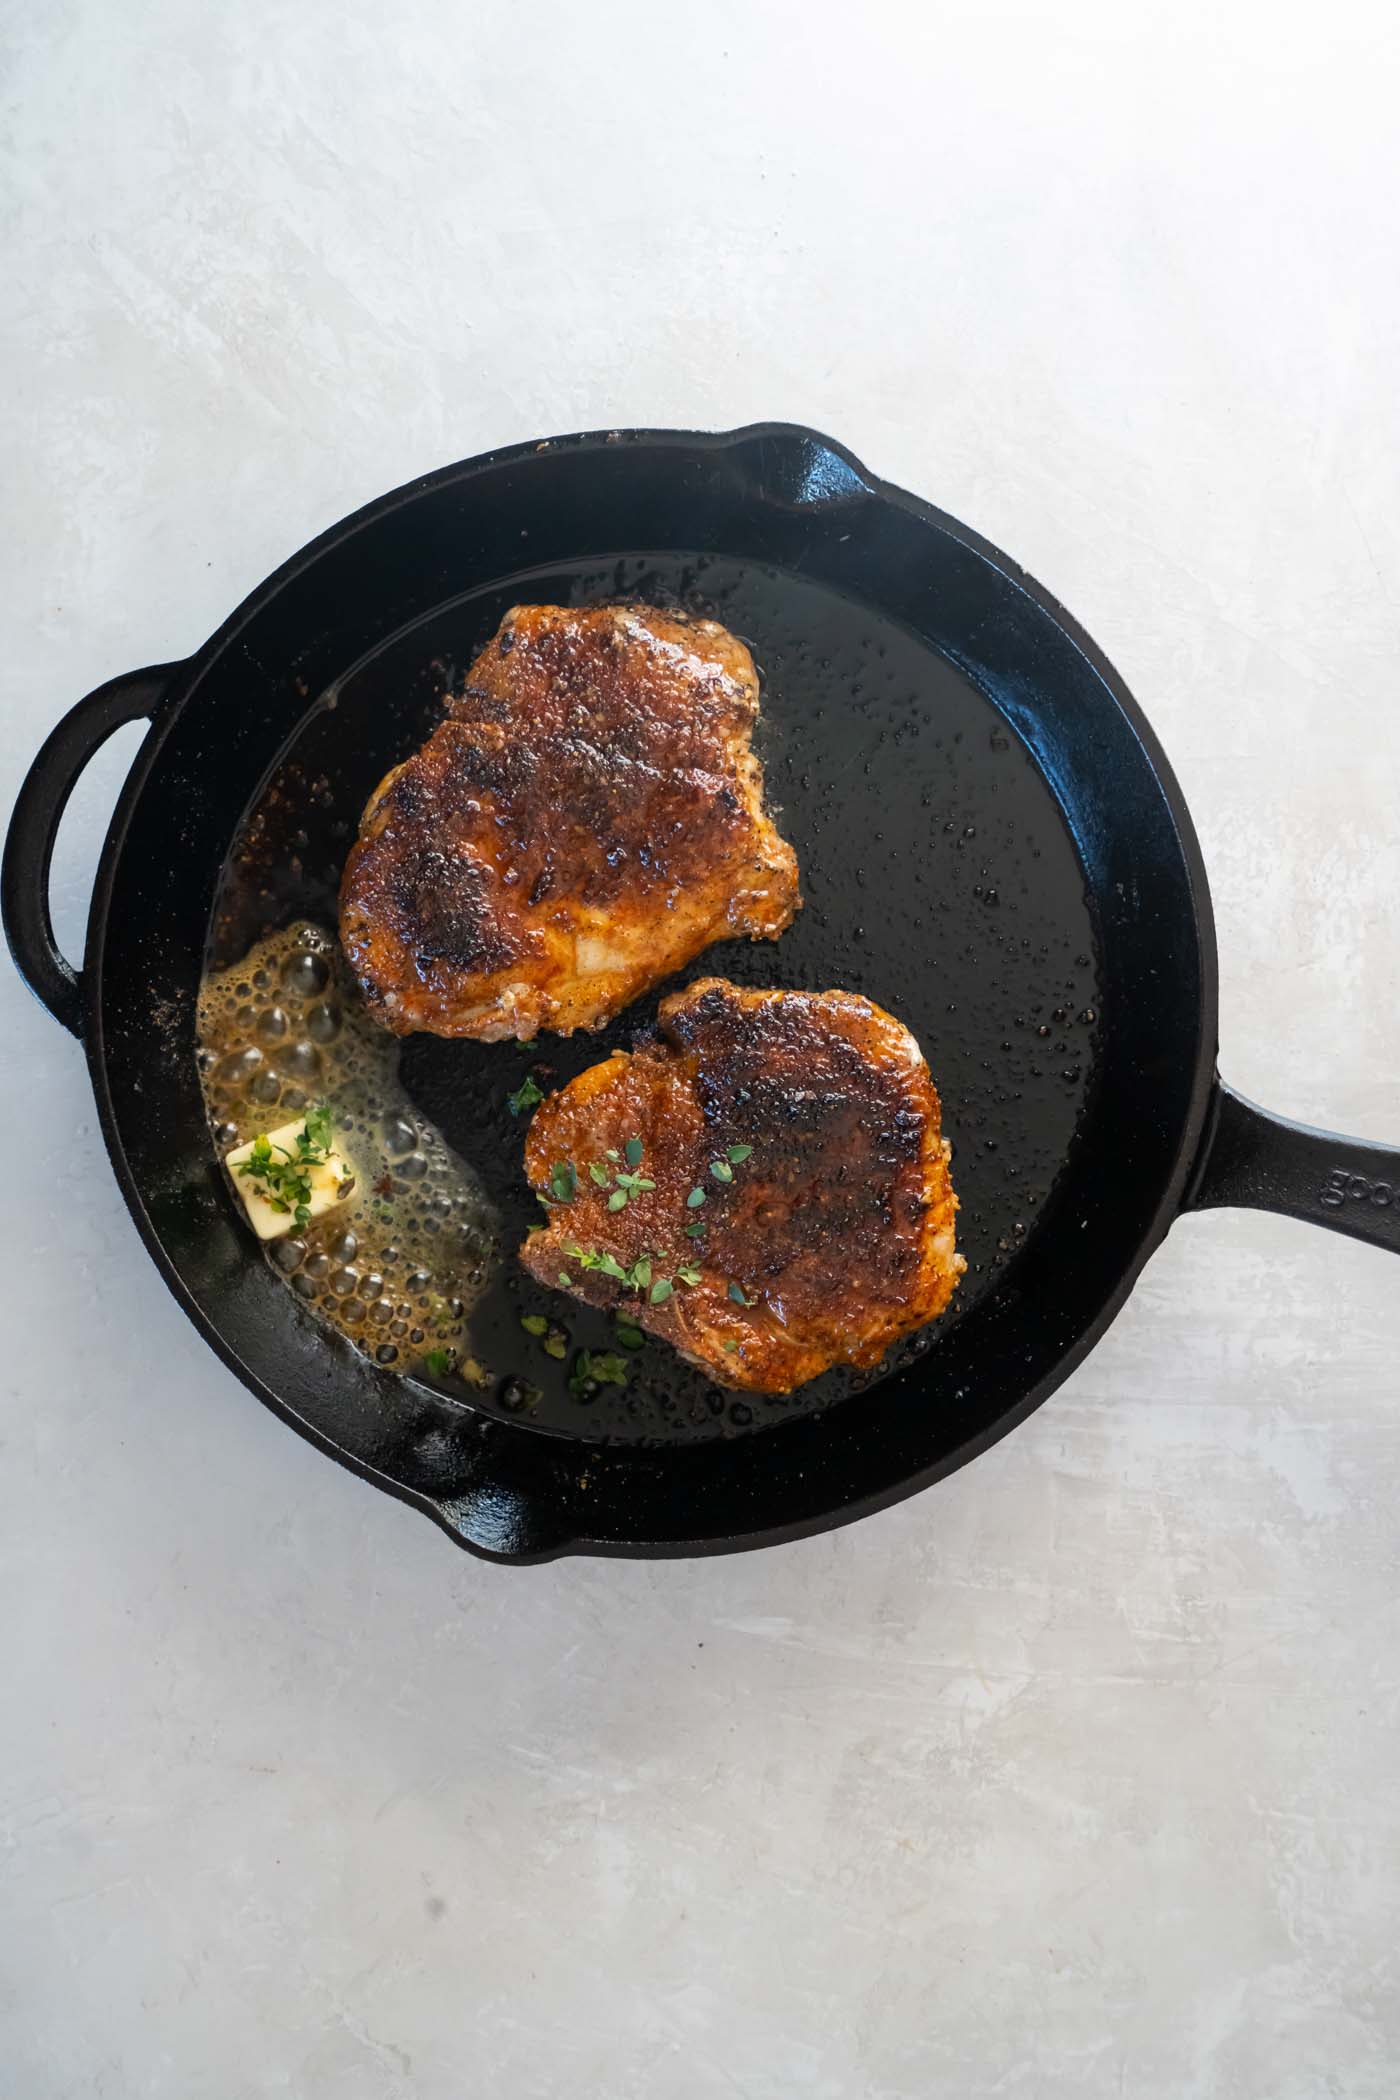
(24, 878)
(1261, 1162)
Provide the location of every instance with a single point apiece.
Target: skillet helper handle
(24, 876)
(1256, 1161)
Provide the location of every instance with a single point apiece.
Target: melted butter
(397, 1267)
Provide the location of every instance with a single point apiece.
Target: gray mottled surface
(1077, 1776)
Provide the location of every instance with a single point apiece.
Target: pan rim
(186, 684)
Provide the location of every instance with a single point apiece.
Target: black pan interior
(990, 847)
(940, 875)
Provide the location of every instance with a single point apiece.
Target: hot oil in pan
(395, 1269)
(940, 879)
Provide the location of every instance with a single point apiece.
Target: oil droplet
(302, 1060)
(305, 973)
(400, 1137)
(323, 1022)
(239, 1066)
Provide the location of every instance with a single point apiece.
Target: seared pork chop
(785, 1197)
(587, 817)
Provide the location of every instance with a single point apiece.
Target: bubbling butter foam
(397, 1267)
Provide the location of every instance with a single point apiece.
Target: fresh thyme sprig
(286, 1182)
(619, 1185)
(589, 1371)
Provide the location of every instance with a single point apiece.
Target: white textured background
(1077, 1776)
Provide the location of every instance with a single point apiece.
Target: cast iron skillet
(992, 845)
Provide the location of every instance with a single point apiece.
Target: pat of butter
(331, 1182)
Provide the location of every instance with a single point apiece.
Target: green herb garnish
(563, 1181)
(632, 1151)
(591, 1258)
(526, 1095)
(630, 1337)
(739, 1153)
(721, 1170)
(439, 1362)
(618, 1200)
(316, 1130)
(581, 1375)
(534, 1323)
(729, 1347)
(694, 1200)
(286, 1182)
(696, 1231)
(736, 1292)
(639, 1277)
(604, 1369)
(556, 1344)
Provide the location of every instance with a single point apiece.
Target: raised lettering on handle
(1263, 1162)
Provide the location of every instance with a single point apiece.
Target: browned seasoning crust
(585, 820)
(838, 1226)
